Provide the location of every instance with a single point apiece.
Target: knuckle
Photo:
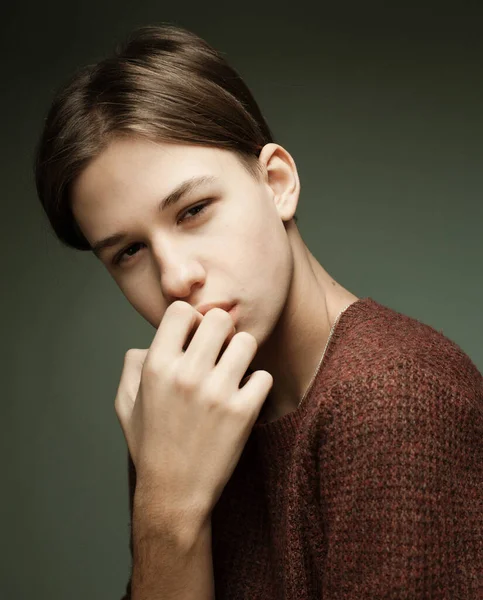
(129, 354)
(214, 389)
(210, 399)
(134, 355)
(179, 307)
(150, 370)
(247, 339)
(239, 409)
(220, 315)
(185, 380)
(268, 377)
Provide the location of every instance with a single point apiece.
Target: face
(224, 240)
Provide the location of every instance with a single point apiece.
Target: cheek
(146, 299)
(254, 237)
(266, 243)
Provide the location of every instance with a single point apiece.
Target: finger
(226, 342)
(207, 343)
(129, 383)
(252, 396)
(122, 403)
(178, 322)
(235, 361)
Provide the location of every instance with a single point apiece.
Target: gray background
(382, 112)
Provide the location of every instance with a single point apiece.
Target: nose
(178, 272)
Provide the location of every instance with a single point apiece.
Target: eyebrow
(186, 187)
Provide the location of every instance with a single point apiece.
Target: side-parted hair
(164, 83)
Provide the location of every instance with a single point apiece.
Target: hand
(184, 416)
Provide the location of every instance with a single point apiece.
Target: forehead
(132, 175)
(138, 162)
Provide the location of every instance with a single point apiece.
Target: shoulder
(391, 380)
(411, 403)
(404, 424)
(399, 350)
(391, 370)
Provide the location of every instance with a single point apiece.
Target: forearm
(171, 560)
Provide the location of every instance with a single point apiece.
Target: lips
(204, 308)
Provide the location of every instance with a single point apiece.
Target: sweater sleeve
(401, 473)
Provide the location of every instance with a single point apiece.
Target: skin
(243, 247)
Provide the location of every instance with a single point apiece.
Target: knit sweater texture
(373, 487)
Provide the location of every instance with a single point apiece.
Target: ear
(282, 179)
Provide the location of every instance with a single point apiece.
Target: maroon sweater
(373, 487)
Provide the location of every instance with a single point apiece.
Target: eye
(200, 208)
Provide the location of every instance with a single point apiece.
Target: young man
(295, 441)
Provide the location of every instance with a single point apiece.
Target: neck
(292, 352)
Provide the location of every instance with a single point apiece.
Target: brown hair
(163, 83)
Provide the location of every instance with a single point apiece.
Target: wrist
(154, 517)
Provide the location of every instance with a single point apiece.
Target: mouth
(226, 306)
(232, 312)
